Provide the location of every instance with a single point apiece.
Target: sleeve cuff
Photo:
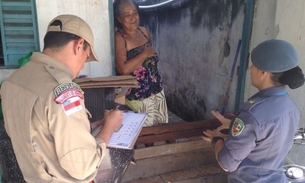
(102, 146)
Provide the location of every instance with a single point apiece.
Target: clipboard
(126, 136)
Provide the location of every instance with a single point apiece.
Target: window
(19, 34)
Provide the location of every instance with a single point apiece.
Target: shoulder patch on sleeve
(66, 91)
(252, 103)
(237, 127)
(72, 105)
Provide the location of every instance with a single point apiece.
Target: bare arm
(125, 66)
(218, 146)
(208, 135)
(112, 121)
(97, 123)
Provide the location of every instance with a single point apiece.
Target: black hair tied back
(294, 78)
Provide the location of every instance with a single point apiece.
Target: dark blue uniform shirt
(260, 137)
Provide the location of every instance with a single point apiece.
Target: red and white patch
(60, 99)
(72, 105)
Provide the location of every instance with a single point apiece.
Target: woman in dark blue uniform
(261, 134)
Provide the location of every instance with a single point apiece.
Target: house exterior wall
(96, 14)
(196, 43)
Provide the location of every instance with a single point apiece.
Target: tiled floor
(211, 173)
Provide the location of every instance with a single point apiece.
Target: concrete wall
(5, 73)
(96, 13)
(196, 41)
(283, 19)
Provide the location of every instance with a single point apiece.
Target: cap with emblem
(274, 56)
(74, 25)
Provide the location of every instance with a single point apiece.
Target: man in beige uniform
(44, 111)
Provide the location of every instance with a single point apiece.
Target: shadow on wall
(191, 36)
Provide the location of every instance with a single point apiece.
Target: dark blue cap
(274, 56)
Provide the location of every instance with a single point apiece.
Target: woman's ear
(119, 19)
(264, 74)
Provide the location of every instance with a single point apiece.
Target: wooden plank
(170, 136)
(172, 127)
(168, 149)
(168, 163)
(170, 132)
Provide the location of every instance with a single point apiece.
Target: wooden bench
(173, 131)
(172, 155)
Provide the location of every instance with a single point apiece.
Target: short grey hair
(117, 9)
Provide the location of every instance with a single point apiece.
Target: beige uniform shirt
(45, 117)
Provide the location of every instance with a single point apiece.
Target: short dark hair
(55, 40)
(117, 8)
(294, 77)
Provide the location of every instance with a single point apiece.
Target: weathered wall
(196, 41)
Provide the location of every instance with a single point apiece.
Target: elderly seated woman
(134, 55)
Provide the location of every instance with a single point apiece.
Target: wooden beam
(169, 136)
(172, 127)
(171, 132)
(161, 150)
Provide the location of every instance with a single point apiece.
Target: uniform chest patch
(72, 105)
(65, 91)
(237, 127)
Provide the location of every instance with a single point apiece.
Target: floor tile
(210, 169)
(154, 179)
(181, 175)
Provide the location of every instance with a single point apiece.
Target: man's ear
(78, 44)
(81, 42)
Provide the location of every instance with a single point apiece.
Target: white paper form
(127, 135)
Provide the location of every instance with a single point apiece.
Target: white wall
(263, 29)
(290, 26)
(96, 14)
(282, 19)
(5, 73)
